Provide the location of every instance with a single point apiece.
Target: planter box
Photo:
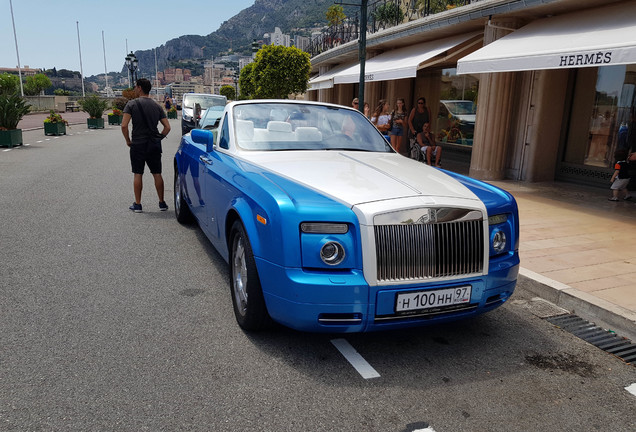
(172, 115)
(115, 119)
(10, 138)
(95, 123)
(54, 129)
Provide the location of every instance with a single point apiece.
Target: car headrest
(279, 126)
(244, 129)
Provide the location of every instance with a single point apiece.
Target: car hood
(466, 118)
(355, 178)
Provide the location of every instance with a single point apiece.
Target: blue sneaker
(163, 206)
(136, 208)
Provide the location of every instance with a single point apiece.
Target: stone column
(494, 113)
(323, 94)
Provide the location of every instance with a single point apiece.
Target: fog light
(499, 241)
(332, 253)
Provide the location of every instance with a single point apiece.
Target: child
(620, 179)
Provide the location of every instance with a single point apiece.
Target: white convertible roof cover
(593, 37)
(400, 63)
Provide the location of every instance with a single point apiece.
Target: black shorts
(142, 154)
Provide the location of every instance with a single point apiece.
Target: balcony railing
(381, 14)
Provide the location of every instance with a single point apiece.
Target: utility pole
(362, 48)
(362, 52)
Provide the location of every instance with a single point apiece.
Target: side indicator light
(261, 219)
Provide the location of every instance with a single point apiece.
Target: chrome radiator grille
(429, 250)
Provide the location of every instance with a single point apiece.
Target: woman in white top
(381, 117)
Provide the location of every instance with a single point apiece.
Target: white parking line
(428, 429)
(631, 389)
(356, 360)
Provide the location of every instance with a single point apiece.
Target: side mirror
(202, 136)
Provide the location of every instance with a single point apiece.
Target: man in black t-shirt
(145, 146)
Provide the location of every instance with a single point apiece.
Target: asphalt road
(115, 321)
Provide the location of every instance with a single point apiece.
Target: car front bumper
(345, 303)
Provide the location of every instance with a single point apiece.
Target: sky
(47, 32)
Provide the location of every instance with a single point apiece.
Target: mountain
(291, 16)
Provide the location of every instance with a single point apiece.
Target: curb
(594, 309)
(42, 127)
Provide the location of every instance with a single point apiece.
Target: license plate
(419, 300)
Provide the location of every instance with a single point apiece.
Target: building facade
(530, 90)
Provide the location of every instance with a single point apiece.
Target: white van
(198, 102)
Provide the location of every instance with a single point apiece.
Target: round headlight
(499, 241)
(332, 253)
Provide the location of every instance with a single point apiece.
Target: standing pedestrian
(620, 178)
(145, 145)
(420, 115)
(381, 117)
(398, 127)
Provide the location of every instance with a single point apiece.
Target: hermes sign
(598, 58)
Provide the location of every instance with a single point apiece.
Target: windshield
(203, 100)
(461, 107)
(289, 126)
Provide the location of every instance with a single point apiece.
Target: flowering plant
(116, 112)
(55, 118)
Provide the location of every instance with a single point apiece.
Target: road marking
(356, 360)
(631, 389)
(428, 429)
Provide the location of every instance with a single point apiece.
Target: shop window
(455, 121)
(603, 115)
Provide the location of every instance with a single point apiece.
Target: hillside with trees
(238, 33)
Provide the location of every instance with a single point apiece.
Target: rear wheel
(247, 294)
(181, 209)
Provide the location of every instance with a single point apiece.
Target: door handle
(205, 160)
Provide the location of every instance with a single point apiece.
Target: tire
(181, 209)
(245, 286)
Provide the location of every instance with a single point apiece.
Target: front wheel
(247, 294)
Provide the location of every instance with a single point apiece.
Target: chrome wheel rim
(239, 275)
(177, 193)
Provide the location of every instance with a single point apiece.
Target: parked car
(194, 106)
(456, 121)
(327, 229)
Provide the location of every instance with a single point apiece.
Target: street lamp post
(132, 64)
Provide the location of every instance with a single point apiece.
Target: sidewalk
(580, 250)
(36, 120)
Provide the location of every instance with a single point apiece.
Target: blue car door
(191, 176)
(212, 169)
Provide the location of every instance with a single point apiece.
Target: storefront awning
(594, 37)
(325, 81)
(400, 63)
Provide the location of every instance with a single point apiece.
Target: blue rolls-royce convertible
(327, 229)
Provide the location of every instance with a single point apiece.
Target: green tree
(388, 14)
(246, 83)
(228, 91)
(35, 84)
(277, 72)
(9, 84)
(335, 15)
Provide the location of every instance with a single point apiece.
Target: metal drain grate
(606, 340)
